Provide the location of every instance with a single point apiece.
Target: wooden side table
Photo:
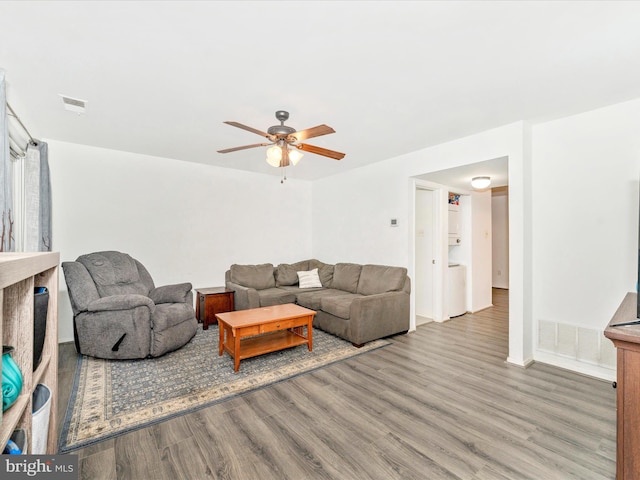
(210, 301)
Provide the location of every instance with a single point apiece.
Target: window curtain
(37, 199)
(25, 187)
(7, 243)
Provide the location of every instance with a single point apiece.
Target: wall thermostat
(394, 222)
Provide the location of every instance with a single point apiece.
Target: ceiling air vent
(73, 104)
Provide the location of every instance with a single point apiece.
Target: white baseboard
(520, 363)
(481, 308)
(596, 371)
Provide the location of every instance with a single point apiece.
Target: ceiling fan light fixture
(480, 183)
(274, 155)
(295, 156)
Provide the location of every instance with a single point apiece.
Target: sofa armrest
(243, 297)
(121, 302)
(178, 293)
(379, 315)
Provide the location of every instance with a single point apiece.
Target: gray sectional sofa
(359, 303)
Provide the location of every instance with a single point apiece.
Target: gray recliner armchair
(118, 313)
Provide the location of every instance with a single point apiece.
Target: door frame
(440, 254)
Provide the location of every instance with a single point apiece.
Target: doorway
(430, 280)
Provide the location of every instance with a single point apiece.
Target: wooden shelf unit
(19, 274)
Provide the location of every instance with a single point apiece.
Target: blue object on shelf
(17, 444)
(11, 378)
(12, 449)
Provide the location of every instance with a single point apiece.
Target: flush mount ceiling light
(480, 183)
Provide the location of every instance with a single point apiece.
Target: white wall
(352, 213)
(500, 237)
(585, 218)
(184, 221)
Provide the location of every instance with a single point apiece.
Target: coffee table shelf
(271, 342)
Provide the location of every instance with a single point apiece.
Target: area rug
(113, 397)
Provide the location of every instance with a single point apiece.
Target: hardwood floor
(439, 403)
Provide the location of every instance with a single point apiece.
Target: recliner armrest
(82, 290)
(178, 293)
(121, 302)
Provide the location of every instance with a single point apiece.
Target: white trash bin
(40, 419)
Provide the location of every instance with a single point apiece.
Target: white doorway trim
(440, 195)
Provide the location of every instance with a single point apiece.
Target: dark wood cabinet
(210, 301)
(627, 342)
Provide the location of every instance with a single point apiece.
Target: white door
(424, 251)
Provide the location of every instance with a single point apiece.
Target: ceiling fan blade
(244, 147)
(312, 132)
(251, 129)
(320, 151)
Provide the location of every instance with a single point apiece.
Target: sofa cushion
(275, 296)
(325, 272)
(339, 305)
(312, 298)
(380, 279)
(287, 274)
(253, 276)
(345, 277)
(309, 279)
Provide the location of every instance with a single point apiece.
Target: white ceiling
(389, 77)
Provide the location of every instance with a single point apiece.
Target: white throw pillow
(309, 279)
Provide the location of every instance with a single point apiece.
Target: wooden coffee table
(269, 329)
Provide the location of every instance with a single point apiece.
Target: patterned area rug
(110, 398)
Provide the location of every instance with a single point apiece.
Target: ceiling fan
(284, 142)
